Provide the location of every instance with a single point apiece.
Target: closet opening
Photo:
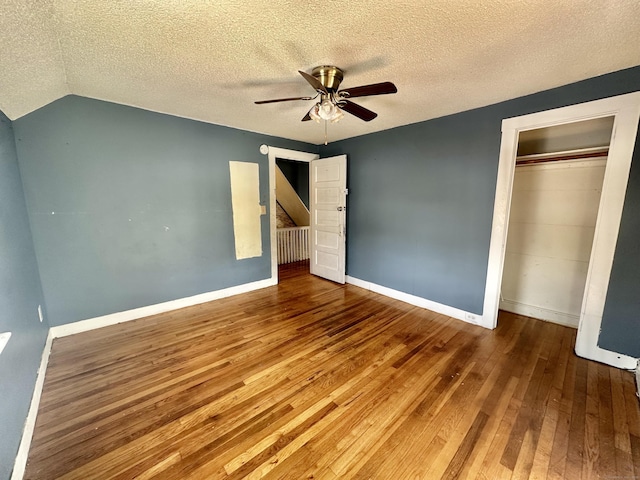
(555, 201)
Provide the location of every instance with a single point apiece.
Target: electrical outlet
(40, 312)
(470, 317)
(4, 338)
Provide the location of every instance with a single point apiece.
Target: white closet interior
(554, 207)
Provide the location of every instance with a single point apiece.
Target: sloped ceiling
(209, 60)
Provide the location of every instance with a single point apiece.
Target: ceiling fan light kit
(328, 110)
(333, 103)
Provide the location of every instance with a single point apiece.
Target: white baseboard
(120, 317)
(103, 321)
(418, 301)
(20, 462)
(540, 313)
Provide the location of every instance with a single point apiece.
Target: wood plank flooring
(313, 380)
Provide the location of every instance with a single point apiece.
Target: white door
(328, 217)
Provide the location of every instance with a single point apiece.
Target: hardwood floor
(314, 380)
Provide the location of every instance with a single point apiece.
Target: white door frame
(273, 153)
(626, 110)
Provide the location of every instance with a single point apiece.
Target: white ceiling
(209, 60)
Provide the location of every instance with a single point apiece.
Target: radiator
(293, 244)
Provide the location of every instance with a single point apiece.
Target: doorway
(273, 154)
(554, 206)
(626, 112)
(292, 213)
(327, 191)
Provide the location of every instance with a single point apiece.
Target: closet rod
(583, 153)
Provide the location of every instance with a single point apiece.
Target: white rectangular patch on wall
(245, 202)
(4, 339)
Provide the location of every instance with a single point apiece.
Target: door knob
(340, 209)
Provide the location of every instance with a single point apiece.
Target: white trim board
(273, 153)
(626, 110)
(20, 463)
(539, 313)
(417, 301)
(136, 313)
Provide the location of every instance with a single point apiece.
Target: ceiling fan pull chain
(325, 132)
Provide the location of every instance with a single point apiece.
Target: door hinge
(346, 191)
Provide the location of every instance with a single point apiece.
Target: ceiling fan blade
(260, 102)
(383, 88)
(355, 109)
(314, 82)
(307, 117)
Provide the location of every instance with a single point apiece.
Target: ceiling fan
(326, 80)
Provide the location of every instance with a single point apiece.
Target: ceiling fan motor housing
(329, 76)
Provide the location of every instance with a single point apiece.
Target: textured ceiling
(209, 60)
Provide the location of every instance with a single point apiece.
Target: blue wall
(421, 199)
(417, 211)
(130, 208)
(20, 295)
(621, 318)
